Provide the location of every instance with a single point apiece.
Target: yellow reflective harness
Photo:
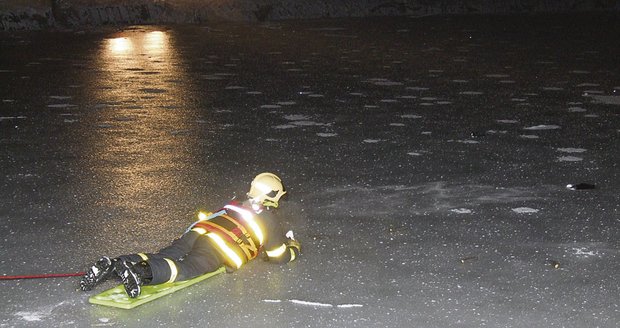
(227, 229)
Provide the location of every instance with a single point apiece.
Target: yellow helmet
(266, 189)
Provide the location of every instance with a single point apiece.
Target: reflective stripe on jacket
(236, 232)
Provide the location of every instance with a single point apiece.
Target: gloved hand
(294, 243)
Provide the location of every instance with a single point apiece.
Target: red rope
(40, 276)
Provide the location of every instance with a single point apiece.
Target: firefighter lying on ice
(237, 233)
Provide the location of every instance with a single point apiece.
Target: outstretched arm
(287, 249)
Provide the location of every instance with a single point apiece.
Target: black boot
(99, 272)
(134, 276)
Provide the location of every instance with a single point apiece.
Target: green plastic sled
(116, 297)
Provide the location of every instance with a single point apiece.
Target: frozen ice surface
(426, 162)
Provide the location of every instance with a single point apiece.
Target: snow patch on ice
(570, 159)
(571, 150)
(270, 106)
(417, 88)
(383, 82)
(296, 117)
(524, 210)
(2, 118)
(497, 75)
(61, 105)
(468, 141)
(583, 252)
(39, 314)
(607, 100)
(30, 316)
(410, 116)
(542, 127)
(576, 109)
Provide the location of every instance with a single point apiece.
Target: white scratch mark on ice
(372, 140)
(576, 109)
(316, 304)
(410, 116)
(529, 136)
(461, 210)
(412, 153)
(397, 124)
(272, 301)
(286, 103)
(471, 93)
(311, 303)
(552, 88)
(507, 121)
(326, 134)
(524, 210)
(346, 306)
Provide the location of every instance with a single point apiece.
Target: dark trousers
(192, 254)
